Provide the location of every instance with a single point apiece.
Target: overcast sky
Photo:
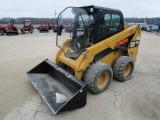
(46, 8)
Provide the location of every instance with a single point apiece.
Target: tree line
(67, 21)
(34, 20)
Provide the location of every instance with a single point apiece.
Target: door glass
(107, 19)
(114, 23)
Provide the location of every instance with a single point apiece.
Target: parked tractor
(68, 28)
(9, 29)
(43, 27)
(55, 27)
(50, 27)
(27, 26)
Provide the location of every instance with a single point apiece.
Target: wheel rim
(127, 70)
(103, 80)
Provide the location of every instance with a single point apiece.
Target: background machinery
(27, 26)
(55, 27)
(43, 27)
(68, 28)
(50, 27)
(9, 29)
(100, 48)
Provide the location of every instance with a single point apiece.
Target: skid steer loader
(101, 47)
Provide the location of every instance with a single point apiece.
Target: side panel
(111, 58)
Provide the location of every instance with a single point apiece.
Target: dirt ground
(136, 99)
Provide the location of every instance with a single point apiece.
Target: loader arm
(111, 42)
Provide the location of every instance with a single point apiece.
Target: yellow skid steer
(100, 47)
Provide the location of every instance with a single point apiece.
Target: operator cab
(91, 24)
(27, 22)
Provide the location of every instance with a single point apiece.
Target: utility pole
(55, 17)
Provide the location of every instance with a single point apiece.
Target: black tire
(123, 68)
(98, 77)
(31, 31)
(23, 31)
(1, 33)
(16, 32)
(54, 30)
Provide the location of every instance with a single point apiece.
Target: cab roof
(100, 8)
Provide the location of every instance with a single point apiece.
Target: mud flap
(59, 89)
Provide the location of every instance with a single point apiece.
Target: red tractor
(55, 27)
(27, 26)
(9, 29)
(44, 27)
(49, 26)
(68, 28)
